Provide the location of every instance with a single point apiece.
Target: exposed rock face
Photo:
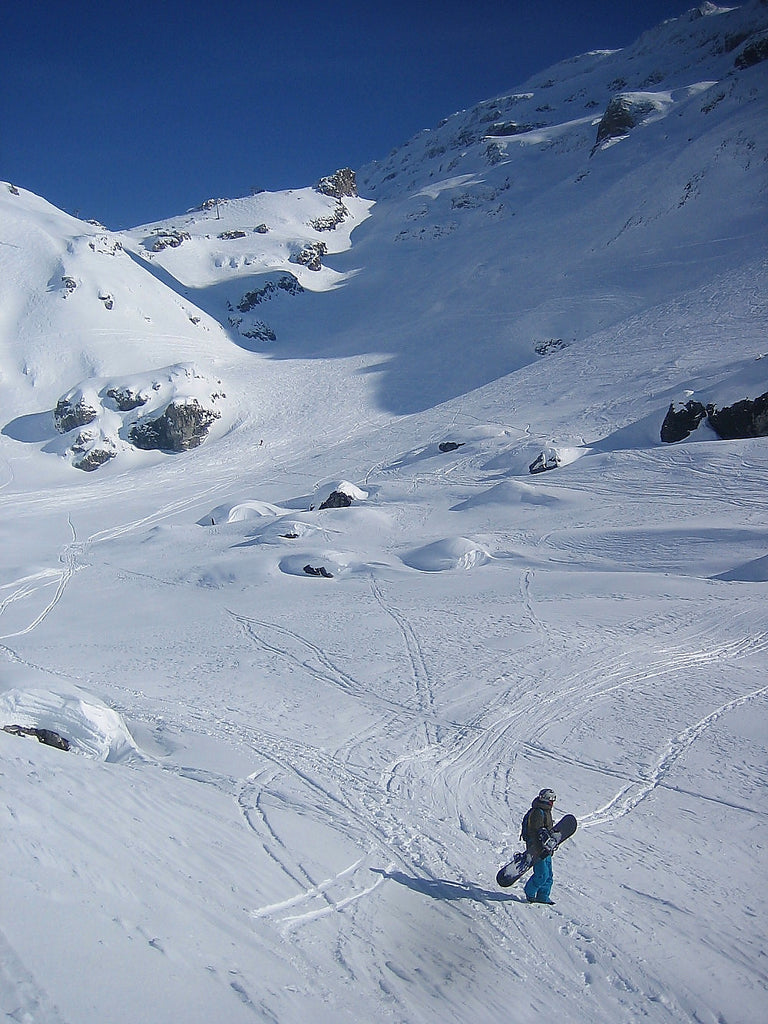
(342, 183)
(287, 283)
(183, 425)
(623, 113)
(748, 418)
(89, 453)
(70, 414)
(336, 499)
(450, 446)
(333, 220)
(230, 235)
(310, 256)
(126, 399)
(753, 53)
(169, 240)
(744, 419)
(681, 420)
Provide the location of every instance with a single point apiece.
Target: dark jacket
(540, 816)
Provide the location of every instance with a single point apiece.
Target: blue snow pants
(539, 885)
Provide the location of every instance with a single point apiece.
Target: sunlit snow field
(287, 795)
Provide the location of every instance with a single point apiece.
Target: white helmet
(548, 796)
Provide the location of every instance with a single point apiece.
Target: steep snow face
(302, 738)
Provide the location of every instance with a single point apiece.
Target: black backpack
(524, 826)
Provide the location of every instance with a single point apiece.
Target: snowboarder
(537, 830)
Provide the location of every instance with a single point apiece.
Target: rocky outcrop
(183, 425)
(91, 451)
(753, 53)
(169, 410)
(126, 399)
(748, 418)
(71, 413)
(169, 240)
(336, 499)
(332, 221)
(681, 421)
(450, 446)
(342, 183)
(310, 255)
(287, 283)
(623, 113)
(743, 419)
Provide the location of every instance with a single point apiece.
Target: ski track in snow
(627, 799)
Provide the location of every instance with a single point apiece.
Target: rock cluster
(748, 418)
(342, 183)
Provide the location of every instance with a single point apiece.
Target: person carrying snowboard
(537, 828)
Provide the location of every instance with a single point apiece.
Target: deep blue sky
(132, 111)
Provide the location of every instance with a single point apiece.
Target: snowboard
(524, 861)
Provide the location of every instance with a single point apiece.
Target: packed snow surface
(303, 739)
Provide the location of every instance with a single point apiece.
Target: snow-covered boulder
(627, 110)
(170, 410)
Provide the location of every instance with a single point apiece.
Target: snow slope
(288, 794)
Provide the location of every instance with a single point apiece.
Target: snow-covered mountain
(301, 739)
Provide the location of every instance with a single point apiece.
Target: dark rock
(94, 458)
(342, 183)
(47, 736)
(260, 331)
(450, 446)
(169, 240)
(544, 462)
(310, 255)
(320, 570)
(333, 220)
(622, 114)
(681, 420)
(336, 499)
(261, 229)
(753, 53)
(68, 415)
(229, 235)
(287, 283)
(125, 399)
(744, 419)
(183, 425)
(510, 128)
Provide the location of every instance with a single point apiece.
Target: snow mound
(323, 490)
(755, 571)
(92, 728)
(451, 553)
(253, 510)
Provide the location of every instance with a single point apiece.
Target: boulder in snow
(681, 421)
(743, 419)
(336, 499)
(623, 113)
(182, 425)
